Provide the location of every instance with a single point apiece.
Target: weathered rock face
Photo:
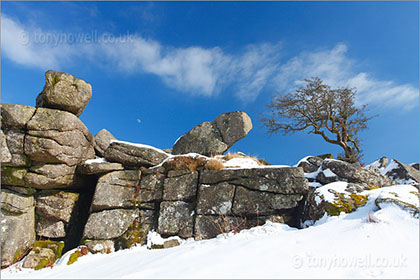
(17, 220)
(93, 167)
(283, 180)
(58, 137)
(15, 116)
(248, 202)
(180, 185)
(138, 230)
(134, 155)
(255, 195)
(233, 126)
(214, 138)
(48, 176)
(353, 174)
(109, 224)
(16, 203)
(64, 92)
(116, 190)
(215, 199)
(203, 139)
(15, 141)
(54, 209)
(6, 156)
(403, 173)
(102, 140)
(176, 218)
(14, 176)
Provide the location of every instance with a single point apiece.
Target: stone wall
(190, 203)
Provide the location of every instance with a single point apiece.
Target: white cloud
(335, 68)
(202, 71)
(17, 44)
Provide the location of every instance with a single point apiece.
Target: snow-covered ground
(347, 246)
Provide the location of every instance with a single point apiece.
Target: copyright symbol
(297, 262)
(24, 38)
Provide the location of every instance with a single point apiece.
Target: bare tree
(318, 109)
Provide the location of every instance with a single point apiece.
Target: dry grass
(214, 164)
(227, 224)
(230, 156)
(185, 163)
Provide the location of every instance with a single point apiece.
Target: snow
(176, 141)
(241, 162)
(345, 246)
(392, 165)
(376, 163)
(96, 160)
(328, 173)
(139, 145)
(305, 159)
(405, 193)
(326, 192)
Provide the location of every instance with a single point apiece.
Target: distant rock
(402, 173)
(336, 170)
(134, 154)
(310, 164)
(64, 92)
(214, 138)
(102, 140)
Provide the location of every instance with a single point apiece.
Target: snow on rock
(144, 146)
(241, 162)
(96, 160)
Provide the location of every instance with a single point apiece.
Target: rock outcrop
(214, 138)
(65, 92)
(101, 194)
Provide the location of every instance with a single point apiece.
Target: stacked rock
(41, 149)
(55, 188)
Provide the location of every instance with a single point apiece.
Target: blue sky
(159, 68)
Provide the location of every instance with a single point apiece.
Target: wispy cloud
(201, 71)
(194, 70)
(335, 68)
